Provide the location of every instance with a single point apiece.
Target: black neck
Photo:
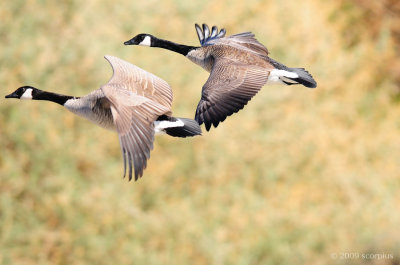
(172, 46)
(50, 96)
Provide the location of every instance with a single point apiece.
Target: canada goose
(135, 103)
(239, 66)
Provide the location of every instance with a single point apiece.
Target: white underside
(276, 76)
(159, 126)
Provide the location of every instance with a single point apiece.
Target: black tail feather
(305, 78)
(190, 128)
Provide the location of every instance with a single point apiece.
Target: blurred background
(296, 177)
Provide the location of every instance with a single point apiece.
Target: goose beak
(129, 42)
(12, 95)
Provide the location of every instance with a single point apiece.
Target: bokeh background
(297, 177)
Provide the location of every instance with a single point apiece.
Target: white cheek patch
(27, 94)
(146, 41)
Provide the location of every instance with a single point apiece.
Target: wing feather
(228, 89)
(137, 99)
(139, 81)
(134, 118)
(248, 40)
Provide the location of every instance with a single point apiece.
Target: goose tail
(303, 77)
(177, 127)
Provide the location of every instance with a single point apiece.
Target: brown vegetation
(297, 175)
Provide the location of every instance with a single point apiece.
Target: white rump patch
(159, 126)
(146, 41)
(27, 94)
(275, 75)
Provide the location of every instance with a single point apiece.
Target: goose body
(94, 107)
(134, 103)
(239, 66)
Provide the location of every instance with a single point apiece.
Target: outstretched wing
(206, 37)
(134, 117)
(137, 98)
(228, 89)
(248, 40)
(244, 41)
(139, 81)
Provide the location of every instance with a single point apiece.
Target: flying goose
(239, 66)
(135, 103)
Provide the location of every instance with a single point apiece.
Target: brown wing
(245, 41)
(133, 117)
(248, 40)
(228, 89)
(140, 81)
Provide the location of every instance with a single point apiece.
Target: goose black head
(24, 92)
(141, 39)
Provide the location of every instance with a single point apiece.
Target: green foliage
(297, 175)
